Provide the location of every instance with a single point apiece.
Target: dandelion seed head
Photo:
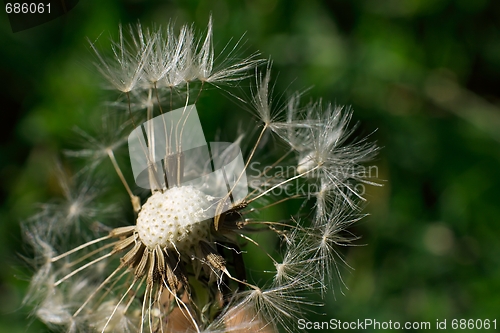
(174, 219)
(178, 261)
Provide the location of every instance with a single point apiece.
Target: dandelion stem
(130, 109)
(171, 98)
(117, 305)
(199, 92)
(107, 255)
(150, 320)
(275, 203)
(135, 199)
(240, 281)
(258, 245)
(160, 291)
(249, 158)
(150, 153)
(78, 248)
(276, 175)
(218, 211)
(158, 98)
(283, 182)
(112, 286)
(90, 254)
(97, 290)
(271, 223)
(178, 146)
(148, 287)
(133, 295)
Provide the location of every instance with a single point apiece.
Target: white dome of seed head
(176, 218)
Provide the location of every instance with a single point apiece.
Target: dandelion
(178, 262)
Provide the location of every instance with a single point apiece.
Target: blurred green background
(424, 73)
